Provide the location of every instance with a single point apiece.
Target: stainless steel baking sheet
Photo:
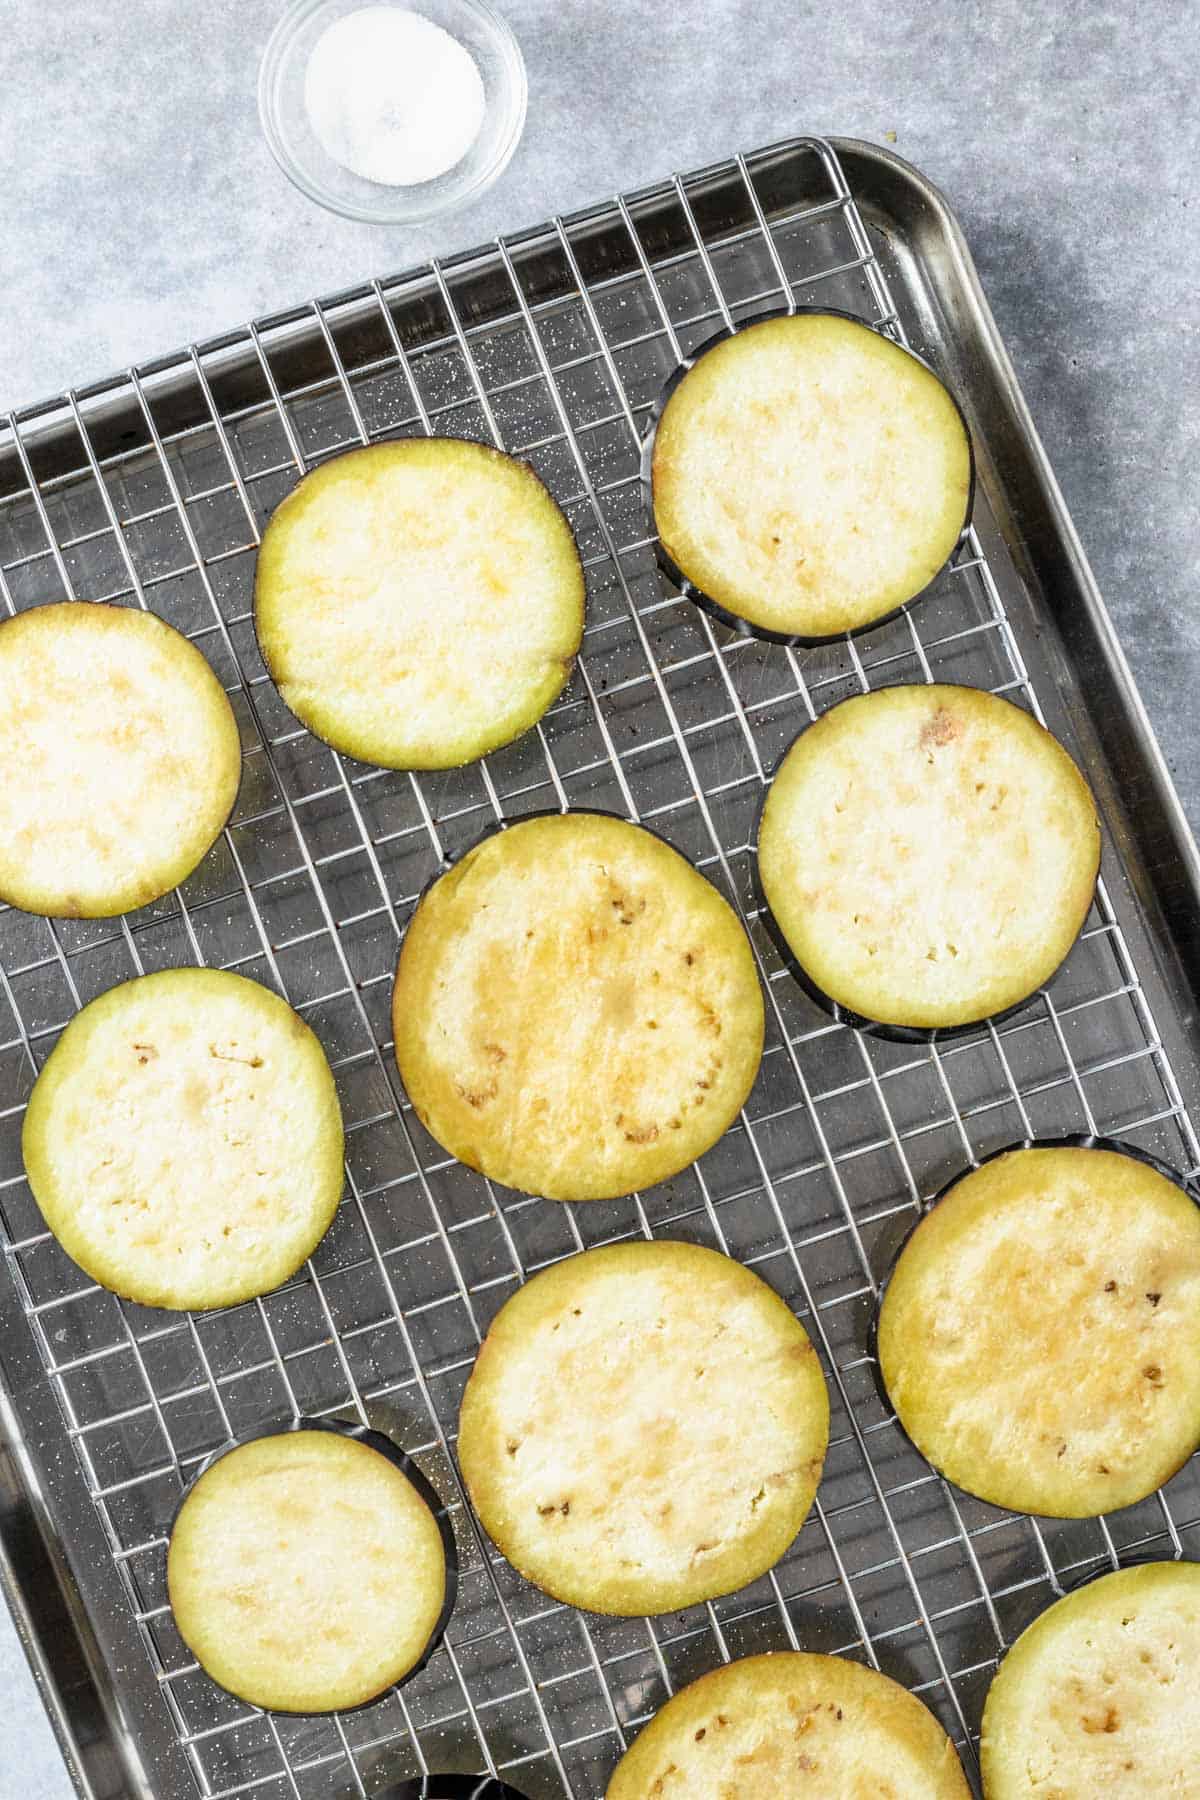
(152, 489)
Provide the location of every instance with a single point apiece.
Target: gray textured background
(142, 209)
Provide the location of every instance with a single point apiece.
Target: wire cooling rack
(153, 490)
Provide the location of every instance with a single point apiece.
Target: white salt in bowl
(301, 155)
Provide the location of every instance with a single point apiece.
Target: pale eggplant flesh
(808, 476)
(928, 856)
(419, 603)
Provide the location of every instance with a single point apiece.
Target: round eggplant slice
(576, 1012)
(1039, 1337)
(809, 476)
(1101, 1694)
(184, 1140)
(419, 603)
(121, 759)
(928, 855)
(644, 1428)
(305, 1572)
(788, 1726)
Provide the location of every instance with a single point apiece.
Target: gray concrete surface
(141, 209)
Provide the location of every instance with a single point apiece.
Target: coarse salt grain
(392, 97)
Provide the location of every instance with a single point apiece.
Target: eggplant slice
(809, 476)
(184, 1140)
(644, 1428)
(1039, 1337)
(419, 603)
(928, 855)
(305, 1572)
(794, 1723)
(121, 759)
(576, 1012)
(1101, 1694)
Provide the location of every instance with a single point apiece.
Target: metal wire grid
(671, 720)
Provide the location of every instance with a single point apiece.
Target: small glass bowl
(303, 159)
